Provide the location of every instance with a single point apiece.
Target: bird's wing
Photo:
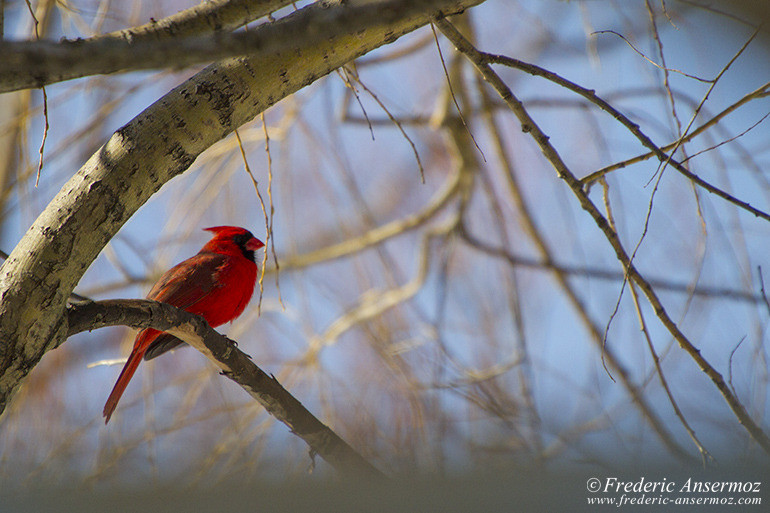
(183, 286)
(190, 281)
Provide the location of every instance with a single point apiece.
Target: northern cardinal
(216, 284)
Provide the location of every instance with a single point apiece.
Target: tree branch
(761, 92)
(37, 63)
(590, 95)
(200, 20)
(160, 143)
(205, 17)
(529, 126)
(235, 364)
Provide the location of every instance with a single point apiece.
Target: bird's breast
(235, 286)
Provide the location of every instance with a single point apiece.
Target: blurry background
(436, 349)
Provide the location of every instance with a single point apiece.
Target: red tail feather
(140, 347)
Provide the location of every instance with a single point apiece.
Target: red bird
(216, 284)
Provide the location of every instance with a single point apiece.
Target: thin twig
(762, 288)
(726, 141)
(705, 455)
(264, 214)
(45, 136)
(343, 73)
(393, 119)
(452, 93)
(661, 66)
(760, 92)
(730, 363)
(272, 211)
(45, 100)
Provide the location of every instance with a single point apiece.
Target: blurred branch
(609, 275)
(517, 407)
(529, 126)
(374, 303)
(755, 12)
(198, 21)
(377, 235)
(37, 63)
(546, 254)
(236, 365)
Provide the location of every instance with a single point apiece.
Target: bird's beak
(254, 244)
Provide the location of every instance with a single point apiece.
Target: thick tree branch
(36, 63)
(236, 365)
(205, 17)
(160, 143)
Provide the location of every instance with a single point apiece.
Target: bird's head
(227, 236)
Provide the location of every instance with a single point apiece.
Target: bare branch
(209, 16)
(641, 54)
(236, 365)
(761, 92)
(571, 293)
(379, 234)
(34, 64)
(705, 454)
(601, 273)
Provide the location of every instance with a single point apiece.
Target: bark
(160, 143)
(208, 16)
(37, 63)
